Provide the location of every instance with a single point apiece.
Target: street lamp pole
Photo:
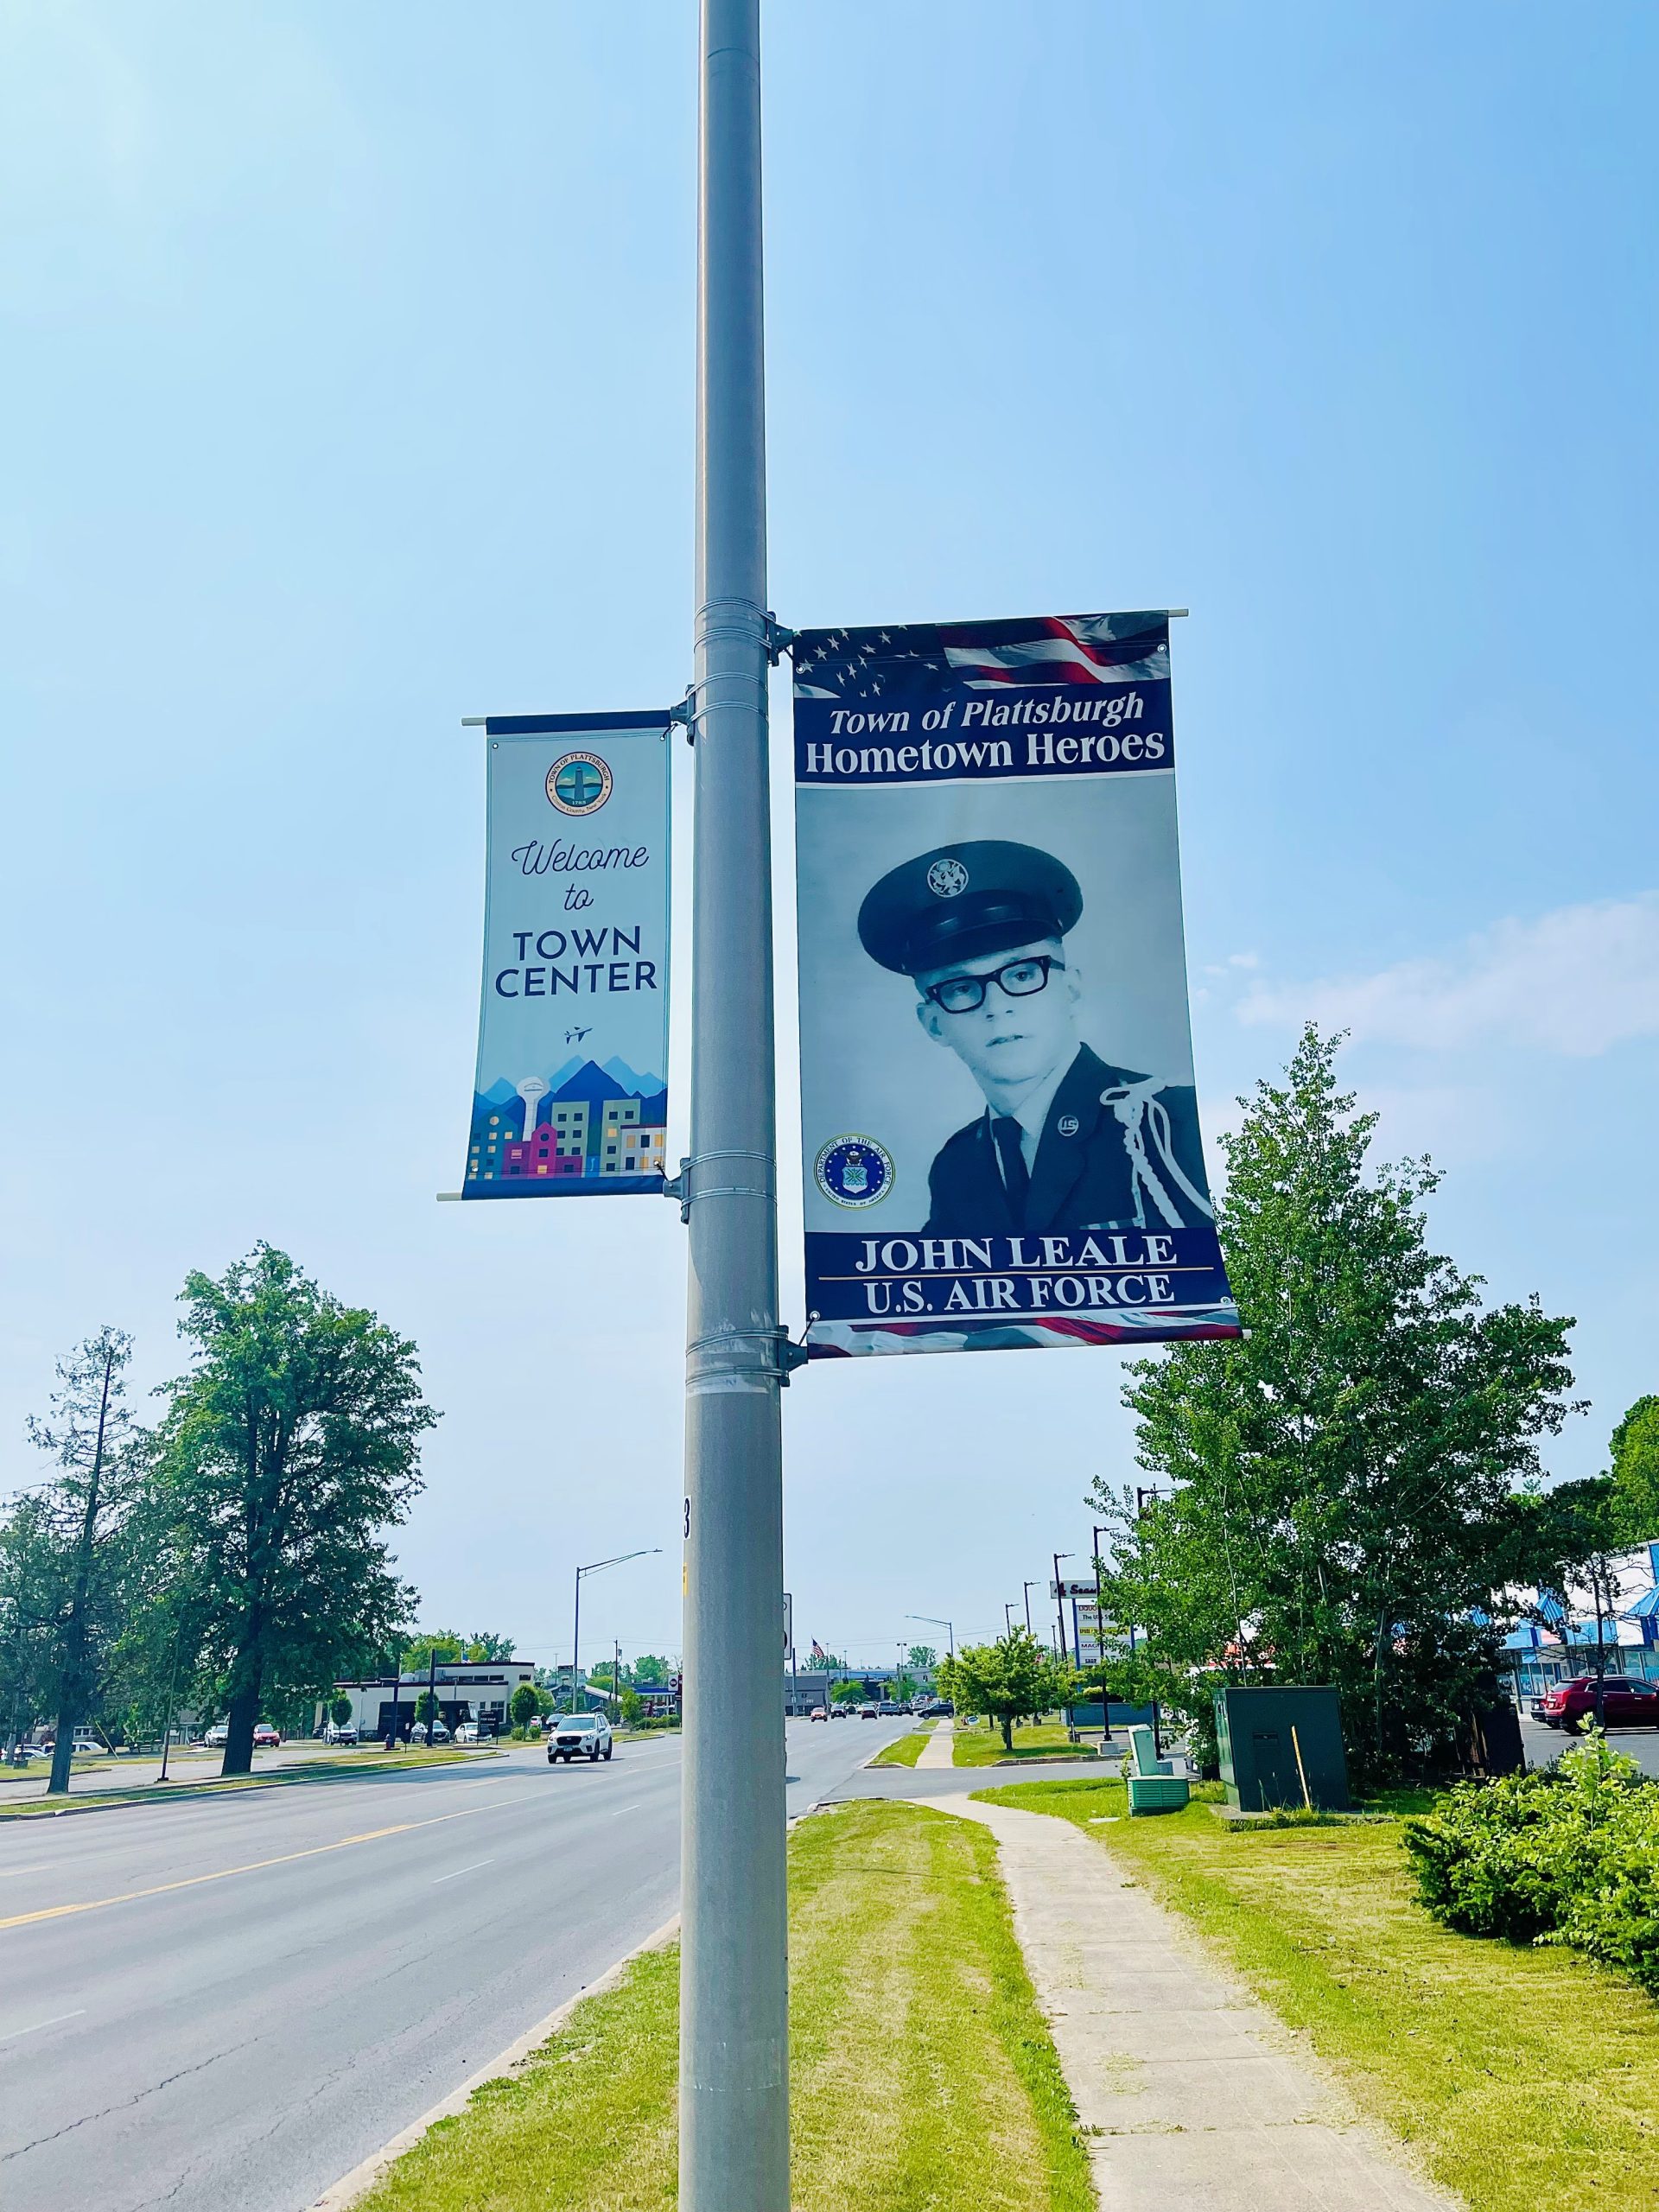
(734, 1970)
(1028, 1589)
(936, 1620)
(596, 1567)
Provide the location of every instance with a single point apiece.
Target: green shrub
(1568, 1856)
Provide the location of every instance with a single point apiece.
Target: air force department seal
(854, 1171)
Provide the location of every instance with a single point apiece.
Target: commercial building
(475, 1690)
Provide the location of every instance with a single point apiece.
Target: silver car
(578, 1735)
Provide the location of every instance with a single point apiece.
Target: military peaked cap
(961, 902)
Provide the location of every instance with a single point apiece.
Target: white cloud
(1575, 982)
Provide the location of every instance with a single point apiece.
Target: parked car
(467, 1733)
(578, 1735)
(818, 1713)
(265, 1738)
(338, 1732)
(433, 1731)
(1625, 1703)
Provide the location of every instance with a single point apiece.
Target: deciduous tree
(1016, 1678)
(287, 1450)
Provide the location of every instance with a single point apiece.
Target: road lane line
(10, 1873)
(459, 1870)
(258, 1866)
(11, 2034)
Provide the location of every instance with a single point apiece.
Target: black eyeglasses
(1020, 979)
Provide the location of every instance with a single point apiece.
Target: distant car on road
(218, 1736)
(890, 1708)
(578, 1735)
(867, 1712)
(265, 1738)
(1625, 1703)
(818, 1713)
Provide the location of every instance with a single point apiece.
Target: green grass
(904, 1752)
(922, 2075)
(332, 1769)
(978, 1744)
(1520, 2076)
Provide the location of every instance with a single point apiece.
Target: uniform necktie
(1016, 1176)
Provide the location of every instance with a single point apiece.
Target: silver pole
(734, 1986)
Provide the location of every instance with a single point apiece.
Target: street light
(1059, 1601)
(1007, 1617)
(934, 1620)
(597, 1566)
(1029, 1587)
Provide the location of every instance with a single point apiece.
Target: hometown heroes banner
(570, 1096)
(1000, 1132)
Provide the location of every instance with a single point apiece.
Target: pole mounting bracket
(779, 640)
(686, 713)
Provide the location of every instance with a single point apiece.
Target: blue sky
(346, 359)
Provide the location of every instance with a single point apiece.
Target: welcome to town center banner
(999, 1131)
(570, 1097)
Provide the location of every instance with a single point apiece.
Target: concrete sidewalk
(1194, 2093)
(938, 1750)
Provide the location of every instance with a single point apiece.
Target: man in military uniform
(1068, 1141)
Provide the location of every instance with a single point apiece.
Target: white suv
(578, 1735)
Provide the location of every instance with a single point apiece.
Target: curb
(351, 2188)
(189, 1793)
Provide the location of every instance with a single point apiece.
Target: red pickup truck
(1624, 1703)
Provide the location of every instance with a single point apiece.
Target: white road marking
(459, 1870)
(620, 1809)
(10, 1873)
(12, 2033)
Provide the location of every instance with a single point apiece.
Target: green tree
(429, 1643)
(427, 1709)
(30, 1591)
(849, 1693)
(83, 1509)
(1350, 1481)
(523, 1705)
(923, 1657)
(485, 1647)
(651, 1671)
(339, 1711)
(1636, 1471)
(288, 1447)
(633, 1708)
(1016, 1678)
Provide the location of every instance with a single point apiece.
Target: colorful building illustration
(630, 1146)
(489, 1140)
(540, 1155)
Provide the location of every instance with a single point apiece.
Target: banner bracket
(685, 713)
(679, 1187)
(789, 1354)
(779, 640)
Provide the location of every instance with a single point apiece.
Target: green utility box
(1272, 1740)
(1154, 1785)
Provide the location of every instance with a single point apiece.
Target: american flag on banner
(1032, 652)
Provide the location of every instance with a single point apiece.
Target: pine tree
(1350, 1479)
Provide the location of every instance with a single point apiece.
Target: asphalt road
(222, 2006)
(1545, 1746)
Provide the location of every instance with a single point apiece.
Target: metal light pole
(934, 1620)
(1029, 1587)
(596, 1567)
(1059, 1602)
(1007, 1617)
(733, 1967)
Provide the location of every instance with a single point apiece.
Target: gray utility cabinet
(1254, 1732)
